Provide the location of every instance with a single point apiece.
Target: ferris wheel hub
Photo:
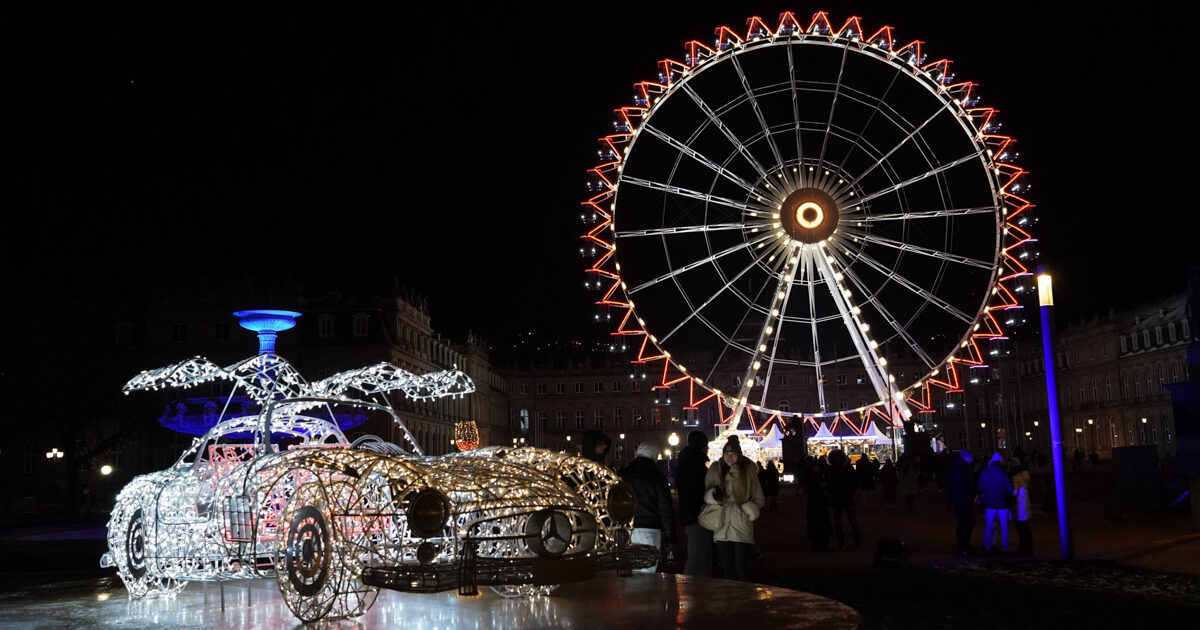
(809, 215)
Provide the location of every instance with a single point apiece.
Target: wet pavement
(641, 601)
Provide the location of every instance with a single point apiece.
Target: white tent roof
(823, 434)
(875, 433)
(773, 439)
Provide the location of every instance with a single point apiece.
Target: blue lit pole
(1046, 304)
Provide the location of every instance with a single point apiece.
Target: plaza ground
(1132, 569)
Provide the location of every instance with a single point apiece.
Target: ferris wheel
(803, 201)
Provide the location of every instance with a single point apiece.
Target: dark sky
(448, 149)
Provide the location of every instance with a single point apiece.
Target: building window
(1158, 335)
(325, 326)
(598, 387)
(541, 388)
(560, 419)
(637, 386)
(541, 420)
(578, 388)
(178, 332)
(1146, 338)
(636, 414)
(599, 419)
(785, 405)
(524, 388)
(560, 388)
(221, 331)
(617, 418)
(616, 386)
(781, 380)
(841, 379)
(858, 379)
(1171, 332)
(1108, 393)
(578, 418)
(360, 324)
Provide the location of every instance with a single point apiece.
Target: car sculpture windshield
(284, 494)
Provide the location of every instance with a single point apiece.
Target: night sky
(449, 149)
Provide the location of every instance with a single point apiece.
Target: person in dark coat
(866, 468)
(768, 478)
(653, 519)
(595, 445)
(689, 487)
(843, 480)
(961, 491)
(890, 479)
(816, 506)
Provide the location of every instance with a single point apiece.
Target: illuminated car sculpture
(284, 494)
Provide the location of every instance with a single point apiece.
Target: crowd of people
(718, 503)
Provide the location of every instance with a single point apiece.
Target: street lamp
(983, 436)
(1045, 286)
(106, 470)
(1143, 430)
(622, 447)
(54, 453)
(673, 439)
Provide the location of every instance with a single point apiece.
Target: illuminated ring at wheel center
(809, 215)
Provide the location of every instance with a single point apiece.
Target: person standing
(653, 522)
(866, 468)
(768, 478)
(960, 484)
(689, 487)
(1020, 483)
(995, 491)
(816, 506)
(732, 483)
(843, 480)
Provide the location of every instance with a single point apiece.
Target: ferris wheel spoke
(915, 288)
(701, 158)
(690, 229)
(927, 174)
(870, 118)
(853, 216)
(837, 88)
(795, 113)
(757, 111)
(695, 194)
(733, 139)
(877, 304)
(912, 134)
(696, 311)
(810, 271)
(859, 235)
(703, 261)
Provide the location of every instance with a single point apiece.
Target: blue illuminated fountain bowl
(268, 323)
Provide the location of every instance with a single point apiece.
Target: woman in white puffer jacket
(732, 483)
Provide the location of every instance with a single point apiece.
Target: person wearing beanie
(732, 483)
(995, 491)
(653, 520)
(689, 487)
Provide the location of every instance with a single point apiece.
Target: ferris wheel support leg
(876, 366)
(773, 319)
